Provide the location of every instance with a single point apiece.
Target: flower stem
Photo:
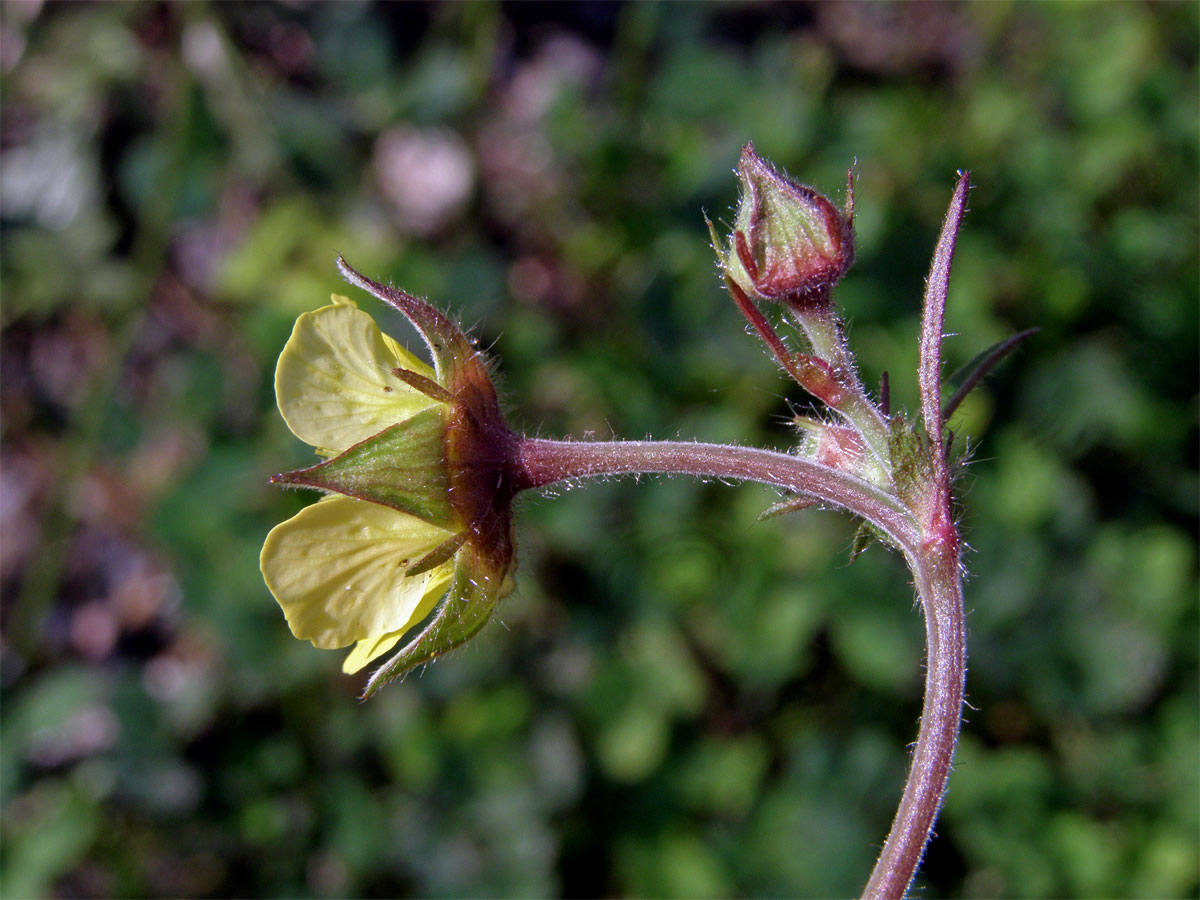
(932, 559)
(824, 331)
(543, 462)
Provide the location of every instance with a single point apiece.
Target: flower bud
(789, 243)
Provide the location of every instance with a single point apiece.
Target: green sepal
(403, 467)
(476, 588)
(448, 346)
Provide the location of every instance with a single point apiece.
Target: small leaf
(863, 538)
(866, 535)
(783, 507)
(968, 377)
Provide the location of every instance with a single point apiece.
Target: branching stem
(824, 331)
(933, 561)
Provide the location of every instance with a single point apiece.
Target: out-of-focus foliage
(680, 701)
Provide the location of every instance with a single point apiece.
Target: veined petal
(371, 648)
(338, 569)
(334, 381)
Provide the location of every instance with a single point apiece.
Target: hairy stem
(932, 559)
(824, 331)
(542, 462)
(939, 587)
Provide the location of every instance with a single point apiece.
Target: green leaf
(787, 505)
(968, 377)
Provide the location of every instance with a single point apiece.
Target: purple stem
(939, 587)
(936, 570)
(543, 462)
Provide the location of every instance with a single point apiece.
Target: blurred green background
(680, 702)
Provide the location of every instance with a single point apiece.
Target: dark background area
(680, 701)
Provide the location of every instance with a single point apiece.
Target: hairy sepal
(478, 584)
(403, 467)
(449, 347)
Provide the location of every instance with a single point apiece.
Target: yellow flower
(415, 468)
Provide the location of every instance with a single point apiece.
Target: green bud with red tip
(789, 243)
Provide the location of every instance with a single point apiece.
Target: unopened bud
(789, 242)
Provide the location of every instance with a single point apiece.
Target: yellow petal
(365, 651)
(334, 381)
(338, 570)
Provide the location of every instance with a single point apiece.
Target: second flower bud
(789, 243)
